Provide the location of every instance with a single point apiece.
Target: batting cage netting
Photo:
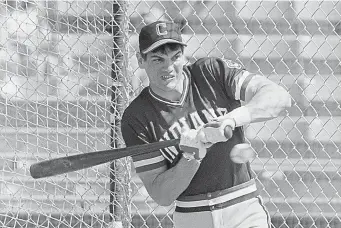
(68, 70)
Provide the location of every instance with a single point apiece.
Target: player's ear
(140, 60)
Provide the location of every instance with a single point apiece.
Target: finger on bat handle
(67, 164)
(228, 132)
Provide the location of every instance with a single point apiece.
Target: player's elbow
(162, 200)
(285, 99)
(161, 196)
(165, 202)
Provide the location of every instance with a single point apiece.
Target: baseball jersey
(213, 87)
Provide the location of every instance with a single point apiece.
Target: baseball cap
(158, 33)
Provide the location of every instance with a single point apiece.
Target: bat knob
(228, 132)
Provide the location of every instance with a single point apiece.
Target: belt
(217, 200)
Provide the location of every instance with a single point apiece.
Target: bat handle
(228, 132)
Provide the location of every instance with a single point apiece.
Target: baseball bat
(72, 163)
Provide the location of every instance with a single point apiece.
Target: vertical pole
(119, 169)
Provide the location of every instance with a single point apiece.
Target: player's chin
(171, 84)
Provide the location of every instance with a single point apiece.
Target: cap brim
(161, 42)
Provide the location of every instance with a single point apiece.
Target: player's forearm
(268, 102)
(168, 185)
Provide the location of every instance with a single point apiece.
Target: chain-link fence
(68, 69)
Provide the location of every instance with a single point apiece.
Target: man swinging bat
(199, 103)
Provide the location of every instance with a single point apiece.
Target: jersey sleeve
(232, 76)
(134, 133)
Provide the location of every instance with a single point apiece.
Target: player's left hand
(216, 131)
(192, 148)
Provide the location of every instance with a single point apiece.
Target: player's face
(164, 70)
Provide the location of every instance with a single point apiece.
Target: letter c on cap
(158, 29)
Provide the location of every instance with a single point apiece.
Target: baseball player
(196, 103)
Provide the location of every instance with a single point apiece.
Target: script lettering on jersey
(231, 64)
(198, 120)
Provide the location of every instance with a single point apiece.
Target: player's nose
(168, 68)
(168, 63)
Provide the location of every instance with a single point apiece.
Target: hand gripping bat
(72, 163)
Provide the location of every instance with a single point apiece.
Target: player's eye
(176, 57)
(158, 60)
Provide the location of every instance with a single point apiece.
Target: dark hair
(163, 49)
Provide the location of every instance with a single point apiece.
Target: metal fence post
(119, 169)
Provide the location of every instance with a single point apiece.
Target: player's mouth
(167, 77)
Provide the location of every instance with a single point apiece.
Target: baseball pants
(240, 207)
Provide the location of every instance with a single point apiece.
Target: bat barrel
(81, 161)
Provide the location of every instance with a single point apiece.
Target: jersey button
(209, 195)
(212, 208)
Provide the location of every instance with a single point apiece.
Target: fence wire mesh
(63, 92)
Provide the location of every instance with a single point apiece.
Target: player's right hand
(216, 131)
(190, 145)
